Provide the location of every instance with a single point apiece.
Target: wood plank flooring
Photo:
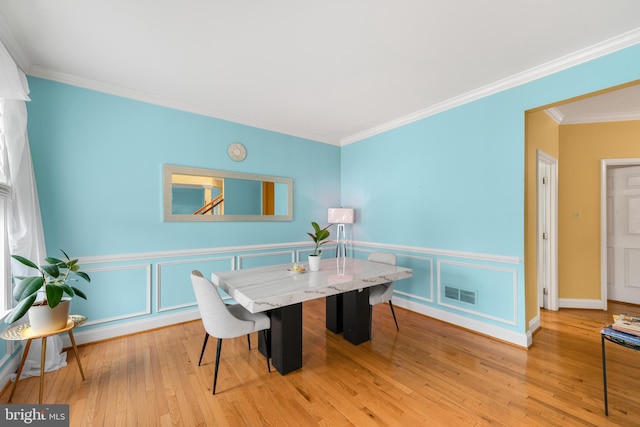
(429, 373)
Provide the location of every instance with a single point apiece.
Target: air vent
(452, 293)
(462, 295)
(468, 296)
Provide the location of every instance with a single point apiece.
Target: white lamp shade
(340, 216)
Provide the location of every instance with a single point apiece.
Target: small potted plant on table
(319, 237)
(50, 313)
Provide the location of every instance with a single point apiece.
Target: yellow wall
(541, 133)
(582, 147)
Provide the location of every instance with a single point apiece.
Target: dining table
(279, 290)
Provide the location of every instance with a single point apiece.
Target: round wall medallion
(237, 152)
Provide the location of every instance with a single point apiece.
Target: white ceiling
(621, 104)
(334, 70)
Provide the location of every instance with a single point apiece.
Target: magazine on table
(627, 323)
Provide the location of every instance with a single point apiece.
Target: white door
(547, 231)
(623, 234)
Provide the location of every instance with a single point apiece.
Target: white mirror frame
(169, 216)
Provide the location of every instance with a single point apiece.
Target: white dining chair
(224, 321)
(379, 294)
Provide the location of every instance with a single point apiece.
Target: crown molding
(560, 119)
(606, 47)
(602, 117)
(598, 50)
(555, 114)
(45, 73)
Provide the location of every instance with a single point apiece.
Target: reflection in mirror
(195, 194)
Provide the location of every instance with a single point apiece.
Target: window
(5, 264)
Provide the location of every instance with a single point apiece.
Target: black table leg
(604, 379)
(356, 314)
(286, 338)
(334, 313)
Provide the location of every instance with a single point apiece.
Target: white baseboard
(518, 339)
(130, 327)
(580, 303)
(534, 323)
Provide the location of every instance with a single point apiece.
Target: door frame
(604, 167)
(552, 290)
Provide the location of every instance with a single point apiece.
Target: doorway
(547, 230)
(620, 230)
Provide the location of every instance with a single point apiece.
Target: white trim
(44, 73)
(514, 284)
(265, 254)
(603, 117)
(159, 308)
(147, 310)
(431, 282)
(407, 294)
(581, 303)
(552, 162)
(597, 50)
(555, 114)
(445, 252)
(185, 253)
(604, 164)
(494, 332)
(603, 48)
(534, 323)
(84, 336)
(559, 118)
(226, 249)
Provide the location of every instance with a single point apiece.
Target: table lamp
(341, 216)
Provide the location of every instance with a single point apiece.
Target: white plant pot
(314, 262)
(45, 319)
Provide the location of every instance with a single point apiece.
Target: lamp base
(341, 247)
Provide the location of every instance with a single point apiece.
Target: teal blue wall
(441, 192)
(455, 182)
(98, 163)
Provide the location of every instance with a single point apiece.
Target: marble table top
(265, 288)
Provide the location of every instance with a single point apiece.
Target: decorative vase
(314, 262)
(45, 319)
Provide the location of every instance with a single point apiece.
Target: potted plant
(51, 311)
(319, 237)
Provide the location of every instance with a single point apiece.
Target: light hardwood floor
(429, 373)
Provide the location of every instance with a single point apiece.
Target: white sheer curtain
(24, 225)
(26, 236)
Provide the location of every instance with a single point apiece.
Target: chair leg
(215, 374)
(249, 340)
(264, 337)
(394, 315)
(204, 345)
(370, 320)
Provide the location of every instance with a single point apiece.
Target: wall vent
(452, 293)
(468, 296)
(462, 295)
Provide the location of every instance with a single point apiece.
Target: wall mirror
(195, 194)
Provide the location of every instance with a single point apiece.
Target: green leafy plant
(319, 236)
(53, 280)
